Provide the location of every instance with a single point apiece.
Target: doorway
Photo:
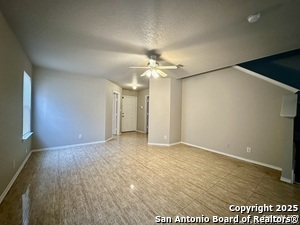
(116, 114)
(297, 144)
(129, 113)
(146, 114)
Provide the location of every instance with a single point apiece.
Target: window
(26, 106)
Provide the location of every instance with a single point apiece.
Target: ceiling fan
(154, 69)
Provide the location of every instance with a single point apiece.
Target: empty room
(149, 112)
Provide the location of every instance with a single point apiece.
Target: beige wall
(13, 62)
(130, 92)
(159, 111)
(229, 110)
(165, 111)
(66, 105)
(141, 110)
(175, 111)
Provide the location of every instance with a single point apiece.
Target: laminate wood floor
(125, 181)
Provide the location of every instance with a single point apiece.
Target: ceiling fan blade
(144, 74)
(161, 73)
(139, 67)
(168, 67)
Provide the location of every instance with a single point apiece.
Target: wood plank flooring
(125, 181)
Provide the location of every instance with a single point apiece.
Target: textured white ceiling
(103, 38)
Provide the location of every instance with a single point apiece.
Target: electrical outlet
(165, 137)
(80, 136)
(14, 164)
(26, 150)
(248, 149)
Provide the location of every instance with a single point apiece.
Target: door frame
(118, 111)
(146, 130)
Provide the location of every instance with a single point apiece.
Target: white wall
(66, 105)
(13, 61)
(228, 110)
(141, 110)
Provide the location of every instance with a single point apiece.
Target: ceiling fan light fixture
(149, 73)
(155, 74)
(254, 17)
(153, 69)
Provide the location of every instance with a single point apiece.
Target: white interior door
(129, 113)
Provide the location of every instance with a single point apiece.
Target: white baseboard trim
(175, 143)
(139, 131)
(14, 178)
(236, 157)
(158, 144)
(107, 140)
(167, 145)
(68, 146)
(286, 180)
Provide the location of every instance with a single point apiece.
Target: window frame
(26, 113)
